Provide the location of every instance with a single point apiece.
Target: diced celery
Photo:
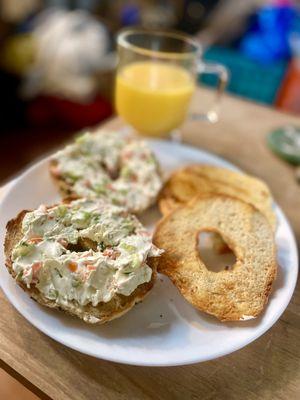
(85, 215)
(128, 225)
(22, 250)
(151, 160)
(61, 211)
(76, 282)
(128, 247)
(53, 294)
(99, 188)
(72, 177)
(135, 261)
(126, 172)
(115, 201)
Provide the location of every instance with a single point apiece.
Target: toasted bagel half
(230, 295)
(193, 180)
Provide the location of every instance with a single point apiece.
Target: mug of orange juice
(157, 77)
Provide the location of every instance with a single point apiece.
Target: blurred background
(57, 60)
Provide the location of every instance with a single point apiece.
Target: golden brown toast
(192, 180)
(230, 295)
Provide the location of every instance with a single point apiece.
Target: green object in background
(285, 142)
(248, 78)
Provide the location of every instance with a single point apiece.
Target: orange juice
(153, 96)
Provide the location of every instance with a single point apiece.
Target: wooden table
(267, 369)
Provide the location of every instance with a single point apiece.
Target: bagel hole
(214, 252)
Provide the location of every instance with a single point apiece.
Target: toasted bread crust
(197, 179)
(102, 313)
(228, 295)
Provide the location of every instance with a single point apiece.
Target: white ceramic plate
(164, 329)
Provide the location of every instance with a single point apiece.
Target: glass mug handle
(223, 76)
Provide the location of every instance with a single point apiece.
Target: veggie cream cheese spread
(112, 166)
(85, 251)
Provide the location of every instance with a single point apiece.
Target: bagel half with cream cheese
(109, 165)
(87, 258)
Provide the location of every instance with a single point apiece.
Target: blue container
(248, 78)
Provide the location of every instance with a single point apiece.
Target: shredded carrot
(87, 183)
(110, 187)
(35, 269)
(72, 266)
(35, 240)
(113, 254)
(133, 178)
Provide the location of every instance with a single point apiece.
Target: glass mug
(156, 78)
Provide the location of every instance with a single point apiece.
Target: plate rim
(188, 360)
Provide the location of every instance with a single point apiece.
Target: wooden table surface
(267, 369)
